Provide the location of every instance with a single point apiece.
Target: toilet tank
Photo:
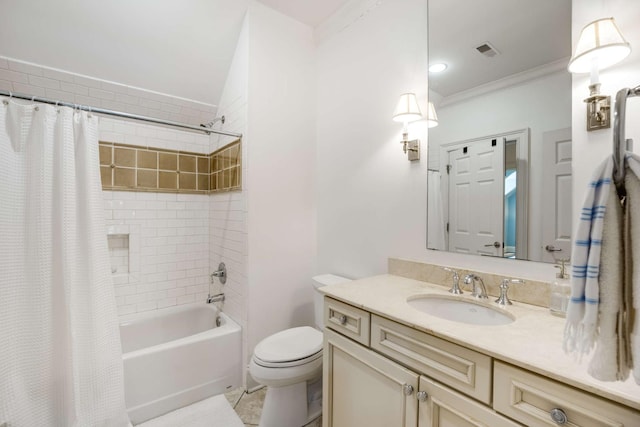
(318, 282)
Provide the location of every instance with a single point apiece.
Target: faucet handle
(451, 270)
(503, 299)
(455, 289)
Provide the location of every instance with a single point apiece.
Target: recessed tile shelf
(137, 168)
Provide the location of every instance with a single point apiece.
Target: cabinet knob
(407, 389)
(422, 396)
(342, 319)
(558, 416)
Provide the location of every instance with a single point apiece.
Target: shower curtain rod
(206, 130)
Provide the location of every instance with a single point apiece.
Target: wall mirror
(499, 161)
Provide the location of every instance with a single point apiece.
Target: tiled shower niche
(136, 168)
(119, 253)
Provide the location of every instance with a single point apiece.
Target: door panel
(556, 197)
(476, 203)
(447, 408)
(362, 388)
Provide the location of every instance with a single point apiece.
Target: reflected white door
(476, 202)
(556, 197)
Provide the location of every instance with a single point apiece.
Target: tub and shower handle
(220, 273)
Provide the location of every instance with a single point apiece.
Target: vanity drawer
(530, 399)
(460, 368)
(348, 320)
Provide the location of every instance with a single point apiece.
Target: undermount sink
(459, 310)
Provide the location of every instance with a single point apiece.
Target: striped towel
(582, 312)
(632, 292)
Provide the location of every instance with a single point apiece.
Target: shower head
(213, 122)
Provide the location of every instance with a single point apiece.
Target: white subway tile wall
(174, 248)
(173, 229)
(32, 79)
(175, 240)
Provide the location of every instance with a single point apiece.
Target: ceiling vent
(487, 50)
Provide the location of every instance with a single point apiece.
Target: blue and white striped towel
(582, 312)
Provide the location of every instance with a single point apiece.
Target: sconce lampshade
(432, 117)
(600, 45)
(407, 109)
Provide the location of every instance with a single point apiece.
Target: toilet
(289, 363)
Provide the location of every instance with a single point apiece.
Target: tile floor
(248, 406)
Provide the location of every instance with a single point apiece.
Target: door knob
(551, 248)
(422, 396)
(494, 244)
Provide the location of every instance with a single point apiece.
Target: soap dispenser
(560, 290)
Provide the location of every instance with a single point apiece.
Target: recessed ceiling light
(438, 68)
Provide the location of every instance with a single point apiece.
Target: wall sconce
(432, 117)
(600, 45)
(408, 111)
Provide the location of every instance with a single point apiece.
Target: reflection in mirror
(500, 159)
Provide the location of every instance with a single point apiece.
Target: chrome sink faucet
(455, 288)
(477, 292)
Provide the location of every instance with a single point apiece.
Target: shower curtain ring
(57, 109)
(89, 115)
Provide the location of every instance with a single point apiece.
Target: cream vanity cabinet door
(365, 389)
(439, 406)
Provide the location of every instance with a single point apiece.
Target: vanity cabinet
(365, 388)
(380, 373)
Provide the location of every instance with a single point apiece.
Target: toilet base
(292, 406)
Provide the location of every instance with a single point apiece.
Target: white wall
(591, 148)
(279, 175)
(371, 199)
(372, 205)
(543, 104)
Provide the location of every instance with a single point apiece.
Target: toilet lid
(289, 345)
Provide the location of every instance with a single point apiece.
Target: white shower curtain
(60, 353)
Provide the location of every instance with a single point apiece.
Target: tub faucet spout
(215, 298)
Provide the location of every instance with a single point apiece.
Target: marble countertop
(533, 341)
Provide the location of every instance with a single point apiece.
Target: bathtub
(176, 356)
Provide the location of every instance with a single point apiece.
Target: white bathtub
(176, 356)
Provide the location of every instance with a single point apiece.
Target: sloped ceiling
(180, 48)
(310, 12)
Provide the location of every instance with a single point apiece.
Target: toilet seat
(291, 347)
(288, 364)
